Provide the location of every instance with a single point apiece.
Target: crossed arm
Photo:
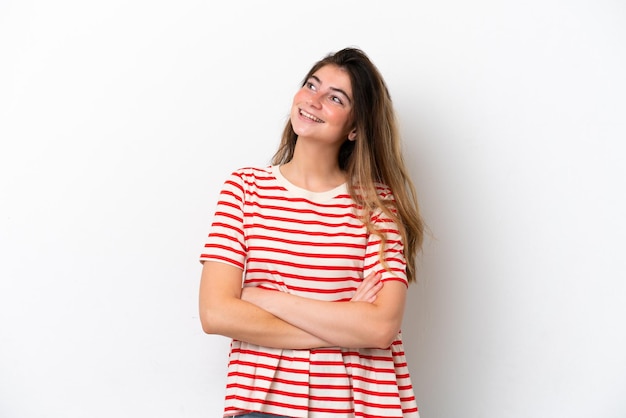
(276, 319)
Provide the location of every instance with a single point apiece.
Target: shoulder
(384, 192)
(377, 190)
(252, 181)
(388, 202)
(251, 174)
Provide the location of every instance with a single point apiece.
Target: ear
(352, 135)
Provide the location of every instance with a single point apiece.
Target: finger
(368, 288)
(370, 296)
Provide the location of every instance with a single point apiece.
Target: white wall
(119, 121)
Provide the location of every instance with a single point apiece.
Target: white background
(119, 121)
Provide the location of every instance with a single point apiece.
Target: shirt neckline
(307, 194)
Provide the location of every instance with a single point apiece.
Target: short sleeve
(393, 251)
(226, 241)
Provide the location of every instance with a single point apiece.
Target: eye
(309, 85)
(336, 99)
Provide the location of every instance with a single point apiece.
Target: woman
(325, 241)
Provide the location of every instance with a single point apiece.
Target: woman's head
(322, 108)
(372, 111)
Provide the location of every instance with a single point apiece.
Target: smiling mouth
(310, 116)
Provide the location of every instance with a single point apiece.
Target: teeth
(310, 116)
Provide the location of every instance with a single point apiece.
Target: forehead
(334, 77)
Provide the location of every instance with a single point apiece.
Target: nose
(315, 99)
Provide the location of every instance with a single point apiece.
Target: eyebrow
(333, 88)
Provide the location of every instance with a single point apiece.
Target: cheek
(341, 117)
(300, 96)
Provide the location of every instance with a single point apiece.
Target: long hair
(374, 157)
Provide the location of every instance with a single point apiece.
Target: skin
(321, 117)
(223, 311)
(327, 98)
(344, 324)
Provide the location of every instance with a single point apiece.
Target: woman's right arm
(223, 312)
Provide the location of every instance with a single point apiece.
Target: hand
(367, 290)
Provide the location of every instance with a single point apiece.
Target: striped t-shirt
(312, 245)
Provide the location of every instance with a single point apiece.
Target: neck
(314, 168)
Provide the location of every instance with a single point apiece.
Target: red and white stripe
(312, 245)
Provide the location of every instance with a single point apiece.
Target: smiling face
(322, 108)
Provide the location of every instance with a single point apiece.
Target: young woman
(308, 260)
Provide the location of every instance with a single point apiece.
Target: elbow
(206, 327)
(385, 342)
(216, 317)
(386, 337)
(209, 322)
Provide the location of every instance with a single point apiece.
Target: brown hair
(375, 156)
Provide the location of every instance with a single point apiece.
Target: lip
(309, 116)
